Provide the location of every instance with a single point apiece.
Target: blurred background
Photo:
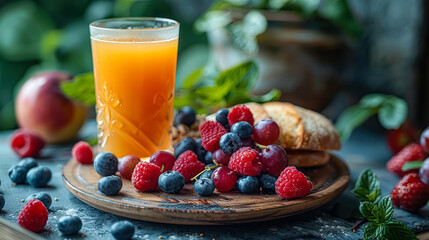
(321, 54)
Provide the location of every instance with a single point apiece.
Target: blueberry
(248, 184)
(243, 129)
(268, 183)
(201, 152)
(1, 202)
(229, 143)
(222, 117)
(186, 116)
(45, 198)
(106, 163)
(39, 176)
(122, 230)
(28, 163)
(208, 158)
(17, 174)
(204, 186)
(109, 185)
(184, 145)
(171, 181)
(69, 225)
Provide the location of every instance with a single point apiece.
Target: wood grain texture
(189, 208)
(12, 231)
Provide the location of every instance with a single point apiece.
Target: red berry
(266, 132)
(410, 193)
(397, 139)
(240, 113)
(412, 152)
(221, 158)
(33, 216)
(224, 179)
(145, 176)
(292, 184)
(246, 161)
(26, 143)
(188, 165)
(274, 159)
(82, 152)
(161, 158)
(424, 139)
(127, 165)
(211, 132)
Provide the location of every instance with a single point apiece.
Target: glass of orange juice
(134, 68)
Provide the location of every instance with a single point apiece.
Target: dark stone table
(332, 221)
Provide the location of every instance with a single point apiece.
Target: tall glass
(135, 68)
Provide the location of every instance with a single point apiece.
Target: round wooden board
(219, 209)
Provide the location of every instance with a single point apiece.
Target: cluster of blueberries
(28, 171)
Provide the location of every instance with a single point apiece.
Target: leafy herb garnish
(377, 211)
(412, 165)
(81, 88)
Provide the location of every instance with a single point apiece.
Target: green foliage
(367, 187)
(412, 165)
(82, 88)
(392, 112)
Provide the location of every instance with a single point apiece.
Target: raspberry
(240, 113)
(145, 177)
(188, 165)
(33, 216)
(26, 143)
(292, 184)
(410, 193)
(211, 132)
(82, 152)
(411, 152)
(246, 161)
(224, 179)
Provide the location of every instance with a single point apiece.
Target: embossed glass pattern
(134, 67)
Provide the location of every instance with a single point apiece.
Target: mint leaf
(412, 165)
(371, 232)
(367, 187)
(193, 79)
(392, 230)
(393, 112)
(387, 206)
(92, 141)
(81, 88)
(380, 212)
(351, 118)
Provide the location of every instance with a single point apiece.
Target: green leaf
(351, 118)
(393, 112)
(273, 95)
(392, 230)
(387, 206)
(92, 141)
(367, 187)
(81, 88)
(412, 165)
(371, 232)
(380, 212)
(373, 100)
(193, 79)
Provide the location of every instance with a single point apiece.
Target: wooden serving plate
(189, 208)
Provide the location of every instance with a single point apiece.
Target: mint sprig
(379, 212)
(412, 165)
(392, 112)
(81, 88)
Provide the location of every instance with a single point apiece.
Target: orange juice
(134, 82)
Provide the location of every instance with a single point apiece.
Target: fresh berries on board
(424, 171)
(207, 171)
(221, 158)
(266, 132)
(110, 185)
(201, 152)
(69, 225)
(268, 183)
(424, 139)
(106, 163)
(412, 152)
(44, 197)
(292, 184)
(127, 164)
(204, 187)
(222, 117)
(188, 165)
(82, 152)
(17, 174)
(211, 132)
(397, 139)
(171, 182)
(229, 143)
(274, 159)
(243, 129)
(248, 184)
(145, 176)
(28, 163)
(26, 143)
(240, 113)
(39, 176)
(224, 179)
(248, 143)
(246, 161)
(33, 216)
(186, 116)
(208, 158)
(184, 145)
(410, 193)
(163, 159)
(122, 230)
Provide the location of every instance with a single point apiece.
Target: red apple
(42, 107)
